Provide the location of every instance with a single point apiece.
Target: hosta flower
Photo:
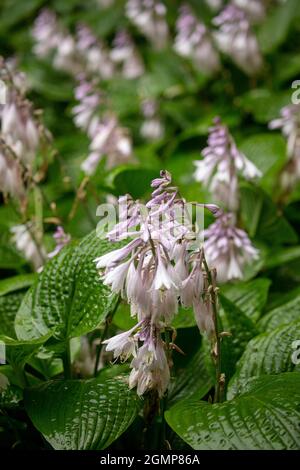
(236, 39)
(222, 161)
(46, 33)
(127, 56)
(289, 123)
(228, 248)
(27, 244)
(111, 140)
(193, 41)
(94, 55)
(152, 128)
(159, 267)
(61, 238)
(255, 9)
(10, 173)
(86, 112)
(149, 17)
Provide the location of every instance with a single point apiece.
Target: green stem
(67, 362)
(103, 335)
(214, 300)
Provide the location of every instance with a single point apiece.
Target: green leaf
(265, 417)
(82, 415)
(9, 305)
(15, 283)
(263, 103)
(262, 218)
(10, 394)
(193, 378)
(276, 25)
(68, 299)
(19, 352)
(250, 297)
(133, 181)
(267, 353)
(242, 329)
(282, 256)
(268, 152)
(282, 315)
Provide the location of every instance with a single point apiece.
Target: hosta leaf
(81, 415)
(68, 298)
(267, 353)
(194, 378)
(281, 256)
(266, 417)
(9, 305)
(262, 219)
(249, 297)
(241, 329)
(16, 283)
(18, 352)
(282, 315)
(10, 394)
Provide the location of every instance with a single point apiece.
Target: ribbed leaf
(266, 416)
(282, 315)
(9, 305)
(68, 298)
(79, 415)
(267, 353)
(250, 297)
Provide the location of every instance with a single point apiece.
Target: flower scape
(149, 214)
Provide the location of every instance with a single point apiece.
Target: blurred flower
(25, 242)
(10, 173)
(193, 41)
(228, 248)
(126, 54)
(61, 239)
(222, 161)
(235, 38)
(255, 9)
(149, 17)
(86, 112)
(93, 52)
(110, 140)
(289, 123)
(160, 266)
(214, 4)
(152, 128)
(51, 37)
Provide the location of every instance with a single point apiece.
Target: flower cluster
(161, 266)
(193, 41)
(222, 161)
(228, 248)
(149, 17)
(289, 123)
(235, 38)
(21, 131)
(107, 136)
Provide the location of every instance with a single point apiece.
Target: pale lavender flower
(254, 9)
(228, 248)
(289, 123)
(160, 267)
(61, 239)
(94, 53)
(25, 243)
(149, 17)
(125, 54)
(86, 112)
(236, 39)
(111, 140)
(152, 127)
(10, 173)
(193, 41)
(46, 33)
(222, 161)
